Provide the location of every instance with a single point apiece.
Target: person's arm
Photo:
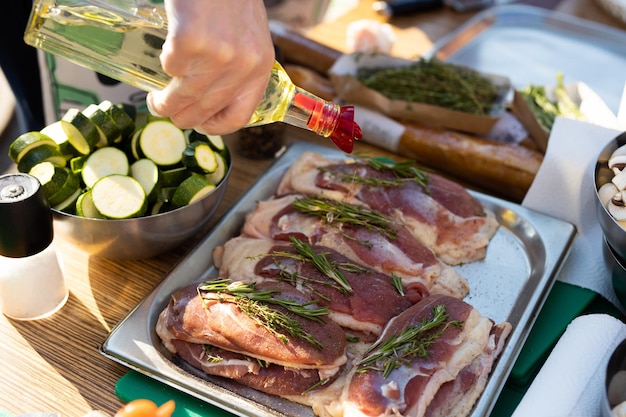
(219, 55)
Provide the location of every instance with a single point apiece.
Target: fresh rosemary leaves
(414, 342)
(436, 83)
(353, 215)
(402, 171)
(258, 304)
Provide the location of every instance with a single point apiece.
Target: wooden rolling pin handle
(296, 48)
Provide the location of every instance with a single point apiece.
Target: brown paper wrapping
(350, 89)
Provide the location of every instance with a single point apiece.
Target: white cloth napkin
(563, 188)
(571, 382)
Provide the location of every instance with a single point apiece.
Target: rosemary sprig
(257, 305)
(208, 350)
(333, 211)
(413, 342)
(330, 269)
(397, 283)
(403, 172)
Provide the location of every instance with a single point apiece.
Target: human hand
(219, 55)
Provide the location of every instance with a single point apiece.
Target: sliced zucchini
(51, 177)
(82, 132)
(134, 145)
(216, 142)
(108, 130)
(173, 177)
(119, 197)
(77, 163)
(72, 183)
(149, 176)
(124, 121)
(222, 167)
(59, 132)
(191, 190)
(199, 157)
(160, 207)
(44, 153)
(27, 141)
(85, 206)
(69, 204)
(102, 162)
(163, 142)
(166, 194)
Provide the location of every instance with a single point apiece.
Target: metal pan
(510, 284)
(530, 45)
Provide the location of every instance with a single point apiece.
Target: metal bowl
(615, 380)
(614, 233)
(140, 237)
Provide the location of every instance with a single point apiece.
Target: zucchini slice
(27, 141)
(216, 142)
(108, 130)
(69, 204)
(191, 190)
(173, 177)
(222, 166)
(199, 157)
(69, 188)
(119, 197)
(102, 162)
(81, 132)
(44, 153)
(149, 176)
(163, 142)
(85, 206)
(124, 121)
(51, 177)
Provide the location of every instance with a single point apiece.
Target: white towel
(571, 382)
(564, 188)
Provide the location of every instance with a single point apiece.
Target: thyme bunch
(258, 304)
(414, 342)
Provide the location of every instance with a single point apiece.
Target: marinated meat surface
(191, 318)
(444, 378)
(439, 212)
(366, 302)
(391, 249)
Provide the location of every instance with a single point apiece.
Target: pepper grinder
(32, 285)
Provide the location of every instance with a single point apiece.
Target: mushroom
(620, 180)
(617, 207)
(606, 192)
(617, 160)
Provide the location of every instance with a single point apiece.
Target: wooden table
(55, 365)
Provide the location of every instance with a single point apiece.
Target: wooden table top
(55, 365)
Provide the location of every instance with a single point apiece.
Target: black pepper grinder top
(25, 216)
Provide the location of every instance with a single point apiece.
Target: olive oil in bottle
(123, 40)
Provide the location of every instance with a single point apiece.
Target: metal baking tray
(510, 284)
(530, 45)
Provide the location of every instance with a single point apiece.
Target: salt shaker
(32, 285)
